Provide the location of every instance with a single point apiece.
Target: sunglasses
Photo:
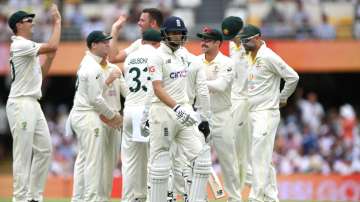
(246, 40)
(29, 20)
(207, 40)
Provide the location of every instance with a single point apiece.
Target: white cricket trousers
(97, 157)
(223, 141)
(31, 148)
(134, 158)
(263, 125)
(164, 129)
(241, 126)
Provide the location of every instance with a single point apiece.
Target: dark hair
(155, 14)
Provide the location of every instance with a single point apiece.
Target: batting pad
(159, 176)
(201, 173)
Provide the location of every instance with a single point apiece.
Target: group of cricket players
(177, 107)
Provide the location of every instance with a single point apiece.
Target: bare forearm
(45, 67)
(164, 97)
(55, 37)
(115, 56)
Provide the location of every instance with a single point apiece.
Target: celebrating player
(89, 104)
(29, 129)
(219, 74)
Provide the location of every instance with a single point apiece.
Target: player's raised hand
(119, 22)
(55, 14)
(115, 74)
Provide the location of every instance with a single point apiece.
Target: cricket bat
(215, 185)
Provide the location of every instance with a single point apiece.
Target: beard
(249, 47)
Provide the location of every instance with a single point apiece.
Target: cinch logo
(178, 74)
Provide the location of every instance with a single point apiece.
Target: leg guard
(170, 194)
(159, 176)
(187, 175)
(201, 173)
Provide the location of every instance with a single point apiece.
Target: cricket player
(115, 86)
(149, 18)
(265, 98)
(28, 126)
(219, 74)
(239, 98)
(198, 94)
(97, 141)
(135, 146)
(171, 117)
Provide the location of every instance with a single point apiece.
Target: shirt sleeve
(224, 80)
(202, 93)
(95, 90)
(26, 48)
(133, 47)
(124, 89)
(155, 67)
(287, 73)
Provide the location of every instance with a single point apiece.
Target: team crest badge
(23, 125)
(96, 130)
(226, 31)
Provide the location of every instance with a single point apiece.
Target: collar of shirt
(262, 51)
(97, 59)
(217, 59)
(167, 49)
(15, 37)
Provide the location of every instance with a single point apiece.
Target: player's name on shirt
(135, 61)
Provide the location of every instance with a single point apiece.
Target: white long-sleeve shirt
(219, 75)
(197, 89)
(241, 60)
(91, 86)
(264, 77)
(113, 91)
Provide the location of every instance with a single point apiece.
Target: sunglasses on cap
(29, 20)
(246, 40)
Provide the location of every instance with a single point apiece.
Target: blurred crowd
(310, 139)
(274, 22)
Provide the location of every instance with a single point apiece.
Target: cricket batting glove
(204, 128)
(184, 116)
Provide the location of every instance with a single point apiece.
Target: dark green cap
(209, 33)
(151, 35)
(231, 26)
(97, 36)
(249, 31)
(17, 17)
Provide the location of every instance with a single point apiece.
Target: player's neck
(210, 56)
(24, 35)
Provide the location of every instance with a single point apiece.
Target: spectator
(76, 17)
(5, 32)
(94, 23)
(348, 123)
(301, 22)
(274, 24)
(312, 112)
(325, 30)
